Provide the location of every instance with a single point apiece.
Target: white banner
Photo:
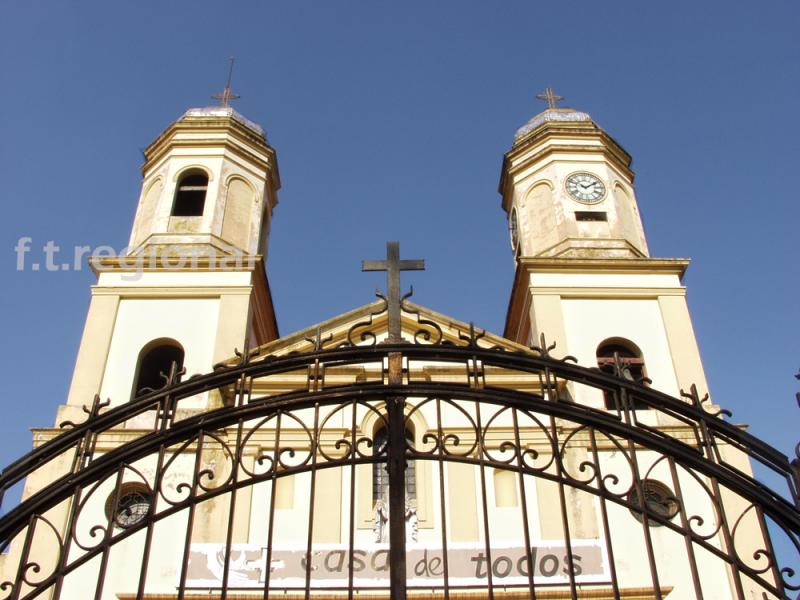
(467, 564)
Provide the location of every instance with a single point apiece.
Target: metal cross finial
(227, 95)
(393, 265)
(549, 97)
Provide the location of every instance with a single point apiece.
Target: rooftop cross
(549, 97)
(227, 95)
(393, 265)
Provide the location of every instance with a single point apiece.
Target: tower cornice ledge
(673, 266)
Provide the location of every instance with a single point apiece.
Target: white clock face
(585, 187)
(513, 229)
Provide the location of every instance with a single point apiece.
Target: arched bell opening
(156, 361)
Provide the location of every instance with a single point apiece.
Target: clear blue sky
(390, 120)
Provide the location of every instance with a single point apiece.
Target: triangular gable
(369, 324)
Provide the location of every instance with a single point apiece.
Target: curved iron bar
(708, 427)
(523, 362)
(225, 417)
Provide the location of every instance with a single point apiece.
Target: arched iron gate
(651, 499)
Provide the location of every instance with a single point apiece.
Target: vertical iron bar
(627, 407)
(237, 458)
(315, 442)
(80, 460)
(352, 532)
(442, 507)
(243, 392)
(602, 492)
(712, 454)
(482, 470)
(67, 542)
(148, 540)
(396, 466)
(524, 505)
(187, 543)
(23, 559)
(776, 571)
(273, 493)
(687, 534)
(552, 384)
(101, 577)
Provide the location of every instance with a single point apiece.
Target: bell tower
(584, 275)
(191, 286)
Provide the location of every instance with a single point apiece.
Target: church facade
(393, 451)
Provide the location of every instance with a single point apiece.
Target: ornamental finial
(549, 97)
(227, 95)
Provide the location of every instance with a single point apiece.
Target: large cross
(227, 95)
(549, 97)
(393, 265)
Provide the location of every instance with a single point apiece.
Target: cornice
(576, 248)
(225, 125)
(569, 129)
(606, 292)
(136, 263)
(172, 291)
(675, 266)
(231, 128)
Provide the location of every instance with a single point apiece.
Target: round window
(132, 506)
(658, 499)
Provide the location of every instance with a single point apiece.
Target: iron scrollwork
(579, 452)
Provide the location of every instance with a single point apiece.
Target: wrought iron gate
(163, 497)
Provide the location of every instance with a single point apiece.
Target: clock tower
(584, 275)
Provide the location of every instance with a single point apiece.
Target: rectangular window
(590, 215)
(284, 492)
(505, 488)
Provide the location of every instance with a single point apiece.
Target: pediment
(368, 325)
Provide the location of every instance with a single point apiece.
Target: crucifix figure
(549, 97)
(227, 95)
(393, 265)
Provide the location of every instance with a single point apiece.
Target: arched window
(190, 195)
(156, 359)
(380, 489)
(380, 476)
(630, 359)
